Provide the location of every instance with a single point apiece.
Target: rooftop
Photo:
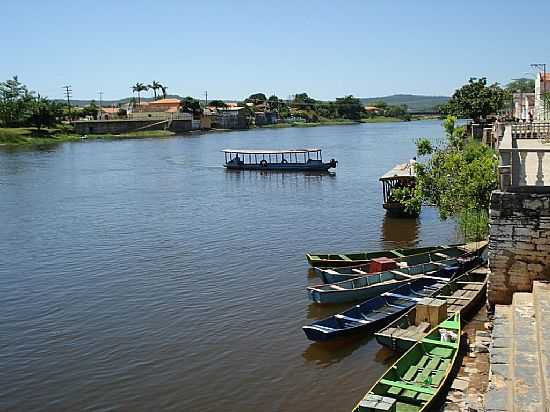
(165, 101)
(401, 170)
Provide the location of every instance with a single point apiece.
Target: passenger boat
(416, 381)
(374, 313)
(366, 287)
(464, 295)
(292, 160)
(333, 275)
(414, 256)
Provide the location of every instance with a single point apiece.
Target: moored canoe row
(464, 295)
(328, 260)
(374, 313)
(339, 274)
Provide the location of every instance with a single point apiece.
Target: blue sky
(235, 48)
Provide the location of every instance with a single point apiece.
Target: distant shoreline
(19, 137)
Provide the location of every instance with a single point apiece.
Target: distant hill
(415, 103)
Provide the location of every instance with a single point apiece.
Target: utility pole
(542, 66)
(205, 98)
(100, 114)
(68, 92)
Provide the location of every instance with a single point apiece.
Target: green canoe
(326, 260)
(416, 380)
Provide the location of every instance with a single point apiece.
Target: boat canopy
(265, 152)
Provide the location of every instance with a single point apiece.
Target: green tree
(476, 100)
(458, 179)
(163, 88)
(303, 99)
(191, 105)
(256, 98)
(349, 107)
(44, 112)
(91, 110)
(15, 102)
(154, 87)
(138, 88)
(522, 85)
(217, 103)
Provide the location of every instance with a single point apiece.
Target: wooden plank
(408, 386)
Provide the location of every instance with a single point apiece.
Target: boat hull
(352, 295)
(283, 167)
(372, 314)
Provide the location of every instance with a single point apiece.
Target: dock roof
(404, 170)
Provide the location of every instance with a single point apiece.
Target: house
(109, 113)
(373, 110)
(542, 87)
(232, 118)
(263, 118)
(160, 110)
(523, 106)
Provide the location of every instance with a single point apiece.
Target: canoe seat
(440, 343)
(407, 386)
(350, 319)
(397, 295)
(359, 271)
(441, 352)
(411, 372)
(344, 257)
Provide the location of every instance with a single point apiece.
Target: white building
(542, 87)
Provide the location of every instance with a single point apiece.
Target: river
(139, 275)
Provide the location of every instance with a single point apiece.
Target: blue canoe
(373, 314)
(369, 286)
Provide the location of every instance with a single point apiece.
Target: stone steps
(519, 353)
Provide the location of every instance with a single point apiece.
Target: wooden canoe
(418, 379)
(366, 287)
(327, 260)
(464, 295)
(339, 274)
(374, 313)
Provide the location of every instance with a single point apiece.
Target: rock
(460, 384)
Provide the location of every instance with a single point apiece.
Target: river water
(139, 275)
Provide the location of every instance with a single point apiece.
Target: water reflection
(316, 311)
(402, 232)
(328, 353)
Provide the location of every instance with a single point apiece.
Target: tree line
(21, 107)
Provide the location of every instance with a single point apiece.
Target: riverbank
(28, 136)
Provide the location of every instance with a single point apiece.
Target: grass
(382, 119)
(33, 136)
(22, 136)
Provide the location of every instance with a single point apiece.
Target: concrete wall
(519, 243)
(125, 126)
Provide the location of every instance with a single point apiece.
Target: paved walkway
(520, 354)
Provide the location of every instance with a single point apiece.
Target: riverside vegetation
(459, 174)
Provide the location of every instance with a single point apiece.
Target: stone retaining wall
(125, 126)
(519, 243)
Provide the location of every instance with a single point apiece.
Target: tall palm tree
(139, 87)
(163, 88)
(154, 87)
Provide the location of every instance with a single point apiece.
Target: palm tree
(139, 87)
(163, 88)
(155, 86)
